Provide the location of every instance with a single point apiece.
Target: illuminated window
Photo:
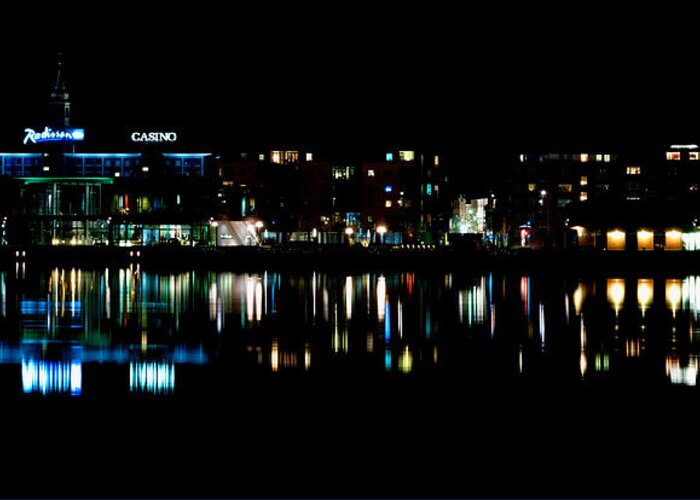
(565, 188)
(370, 172)
(261, 157)
(429, 189)
(276, 157)
(309, 157)
(584, 180)
(673, 155)
(598, 157)
(407, 155)
(387, 189)
(523, 158)
(388, 204)
(634, 170)
(437, 161)
(144, 169)
(343, 173)
(291, 156)
(694, 155)
(606, 158)
(583, 196)
(531, 187)
(390, 157)
(584, 157)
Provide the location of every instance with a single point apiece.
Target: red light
(410, 235)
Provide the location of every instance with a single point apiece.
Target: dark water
(311, 384)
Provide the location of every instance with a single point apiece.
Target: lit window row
(281, 157)
(676, 155)
(407, 156)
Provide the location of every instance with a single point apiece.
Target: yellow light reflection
(579, 298)
(645, 293)
(583, 363)
(616, 292)
(307, 357)
(275, 356)
(406, 361)
(673, 295)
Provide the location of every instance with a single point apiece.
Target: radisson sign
(51, 135)
(154, 136)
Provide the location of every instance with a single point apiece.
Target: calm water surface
(341, 384)
(91, 333)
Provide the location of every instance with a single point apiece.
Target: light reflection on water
(56, 323)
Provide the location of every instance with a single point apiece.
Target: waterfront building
(149, 193)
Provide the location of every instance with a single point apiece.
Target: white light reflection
(520, 358)
(51, 376)
(473, 302)
(348, 298)
(3, 292)
(156, 377)
(686, 375)
(258, 300)
(313, 294)
(250, 297)
(542, 325)
(691, 294)
(213, 296)
(381, 297)
(583, 340)
(108, 294)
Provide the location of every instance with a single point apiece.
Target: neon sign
(154, 136)
(51, 135)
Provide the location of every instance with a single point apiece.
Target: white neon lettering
(154, 136)
(48, 135)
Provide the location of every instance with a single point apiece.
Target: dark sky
(484, 83)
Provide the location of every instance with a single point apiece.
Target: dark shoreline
(352, 259)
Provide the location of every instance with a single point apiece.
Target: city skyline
(484, 91)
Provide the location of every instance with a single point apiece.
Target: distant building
(605, 201)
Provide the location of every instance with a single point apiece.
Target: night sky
(483, 84)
